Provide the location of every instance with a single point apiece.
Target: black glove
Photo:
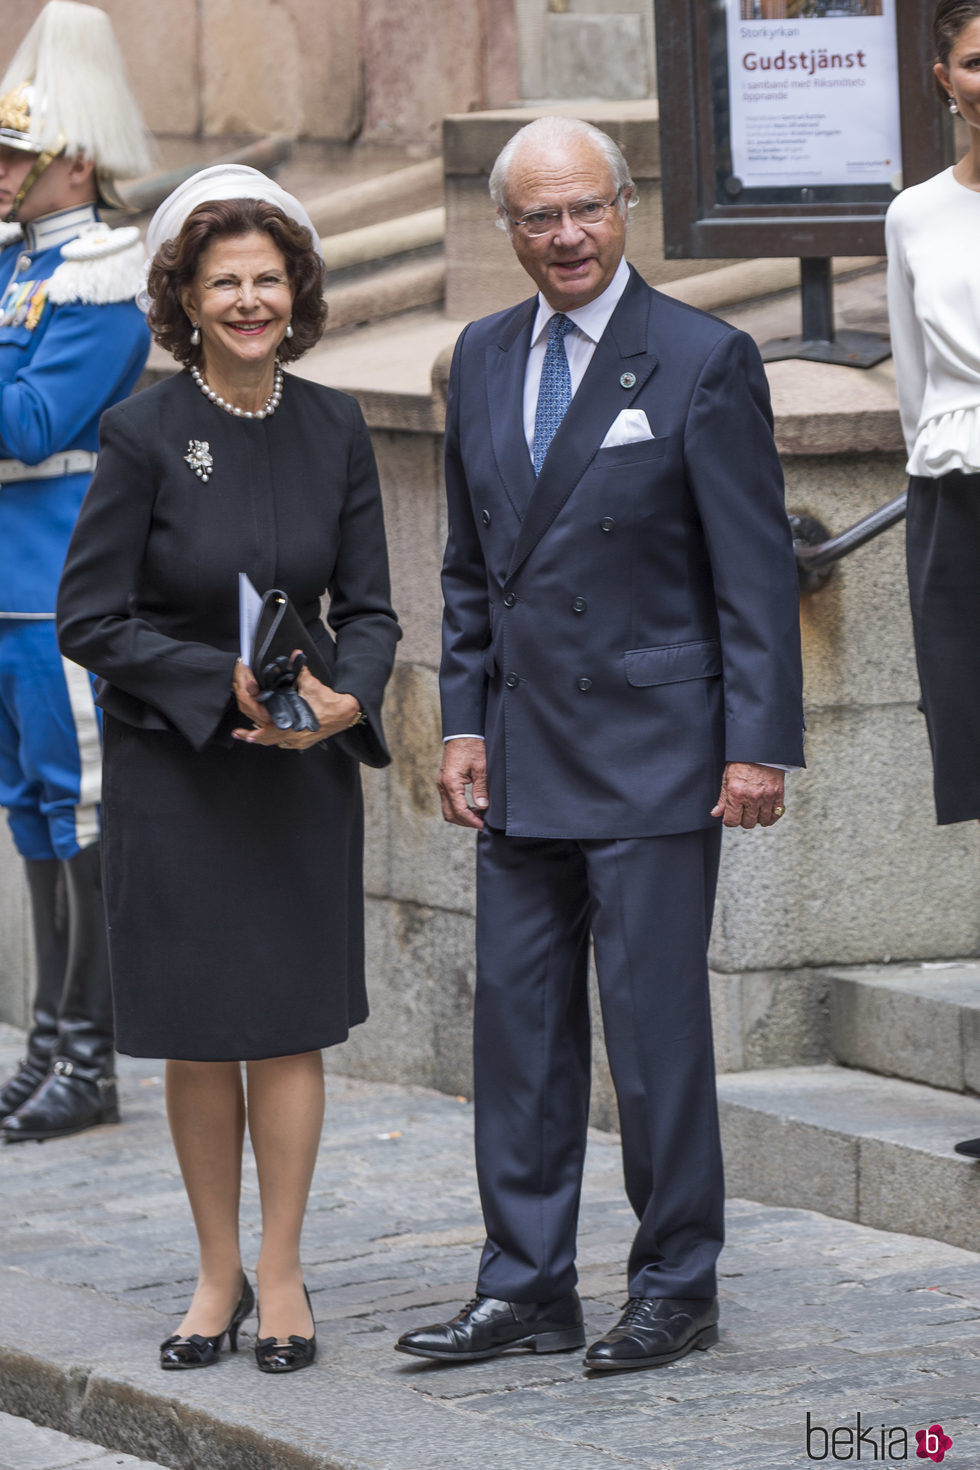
(277, 682)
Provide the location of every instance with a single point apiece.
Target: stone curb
(84, 1365)
(27, 1446)
(125, 1419)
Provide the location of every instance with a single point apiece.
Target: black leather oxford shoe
(486, 1327)
(970, 1148)
(653, 1331)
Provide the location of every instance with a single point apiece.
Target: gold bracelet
(359, 719)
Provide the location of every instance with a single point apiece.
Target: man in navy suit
(620, 678)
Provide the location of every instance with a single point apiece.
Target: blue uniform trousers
(50, 744)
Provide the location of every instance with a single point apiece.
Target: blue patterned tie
(555, 390)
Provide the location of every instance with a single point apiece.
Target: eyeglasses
(587, 213)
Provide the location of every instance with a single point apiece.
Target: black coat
(232, 872)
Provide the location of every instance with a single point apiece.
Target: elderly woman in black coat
(233, 847)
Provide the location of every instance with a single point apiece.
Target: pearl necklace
(271, 403)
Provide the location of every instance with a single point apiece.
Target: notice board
(788, 126)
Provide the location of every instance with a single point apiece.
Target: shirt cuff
(446, 738)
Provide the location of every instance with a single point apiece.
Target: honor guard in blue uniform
(72, 343)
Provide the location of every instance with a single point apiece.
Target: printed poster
(813, 93)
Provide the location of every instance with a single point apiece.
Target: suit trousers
(943, 547)
(648, 903)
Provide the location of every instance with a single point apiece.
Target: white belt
(69, 462)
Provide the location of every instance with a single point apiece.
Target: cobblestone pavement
(820, 1318)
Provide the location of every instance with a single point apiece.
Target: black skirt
(234, 896)
(944, 587)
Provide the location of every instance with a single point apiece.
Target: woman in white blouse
(933, 234)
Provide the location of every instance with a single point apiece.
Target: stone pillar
(16, 952)
(586, 49)
(161, 44)
(426, 58)
(287, 66)
(324, 69)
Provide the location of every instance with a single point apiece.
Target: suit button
(512, 681)
(584, 684)
(510, 599)
(579, 605)
(606, 524)
(485, 516)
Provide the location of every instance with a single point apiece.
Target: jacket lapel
(506, 361)
(622, 349)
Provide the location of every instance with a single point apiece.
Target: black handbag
(281, 649)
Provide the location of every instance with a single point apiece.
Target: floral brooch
(198, 456)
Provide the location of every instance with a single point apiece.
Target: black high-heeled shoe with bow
(286, 1354)
(200, 1352)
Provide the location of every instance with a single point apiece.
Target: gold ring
(777, 811)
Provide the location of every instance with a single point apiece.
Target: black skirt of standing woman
(233, 872)
(944, 590)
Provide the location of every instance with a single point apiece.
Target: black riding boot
(80, 1089)
(49, 918)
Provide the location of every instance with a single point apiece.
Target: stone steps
(869, 1136)
(373, 201)
(919, 1021)
(854, 1145)
(387, 291)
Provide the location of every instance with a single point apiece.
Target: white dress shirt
(931, 232)
(588, 324)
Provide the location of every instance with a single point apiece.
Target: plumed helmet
(66, 91)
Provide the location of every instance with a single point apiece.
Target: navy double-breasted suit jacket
(625, 625)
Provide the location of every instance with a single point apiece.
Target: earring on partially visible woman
(289, 330)
(951, 104)
(195, 334)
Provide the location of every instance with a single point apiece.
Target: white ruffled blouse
(932, 232)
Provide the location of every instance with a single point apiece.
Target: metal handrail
(817, 550)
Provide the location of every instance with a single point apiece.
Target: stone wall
(856, 872)
(586, 48)
(16, 975)
(326, 69)
(421, 54)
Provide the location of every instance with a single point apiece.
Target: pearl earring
(289, 329)
(195, 335)
(951, 104)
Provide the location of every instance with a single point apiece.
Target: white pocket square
(631, 426)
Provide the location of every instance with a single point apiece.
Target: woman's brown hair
(950, 18)
(175, 266)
